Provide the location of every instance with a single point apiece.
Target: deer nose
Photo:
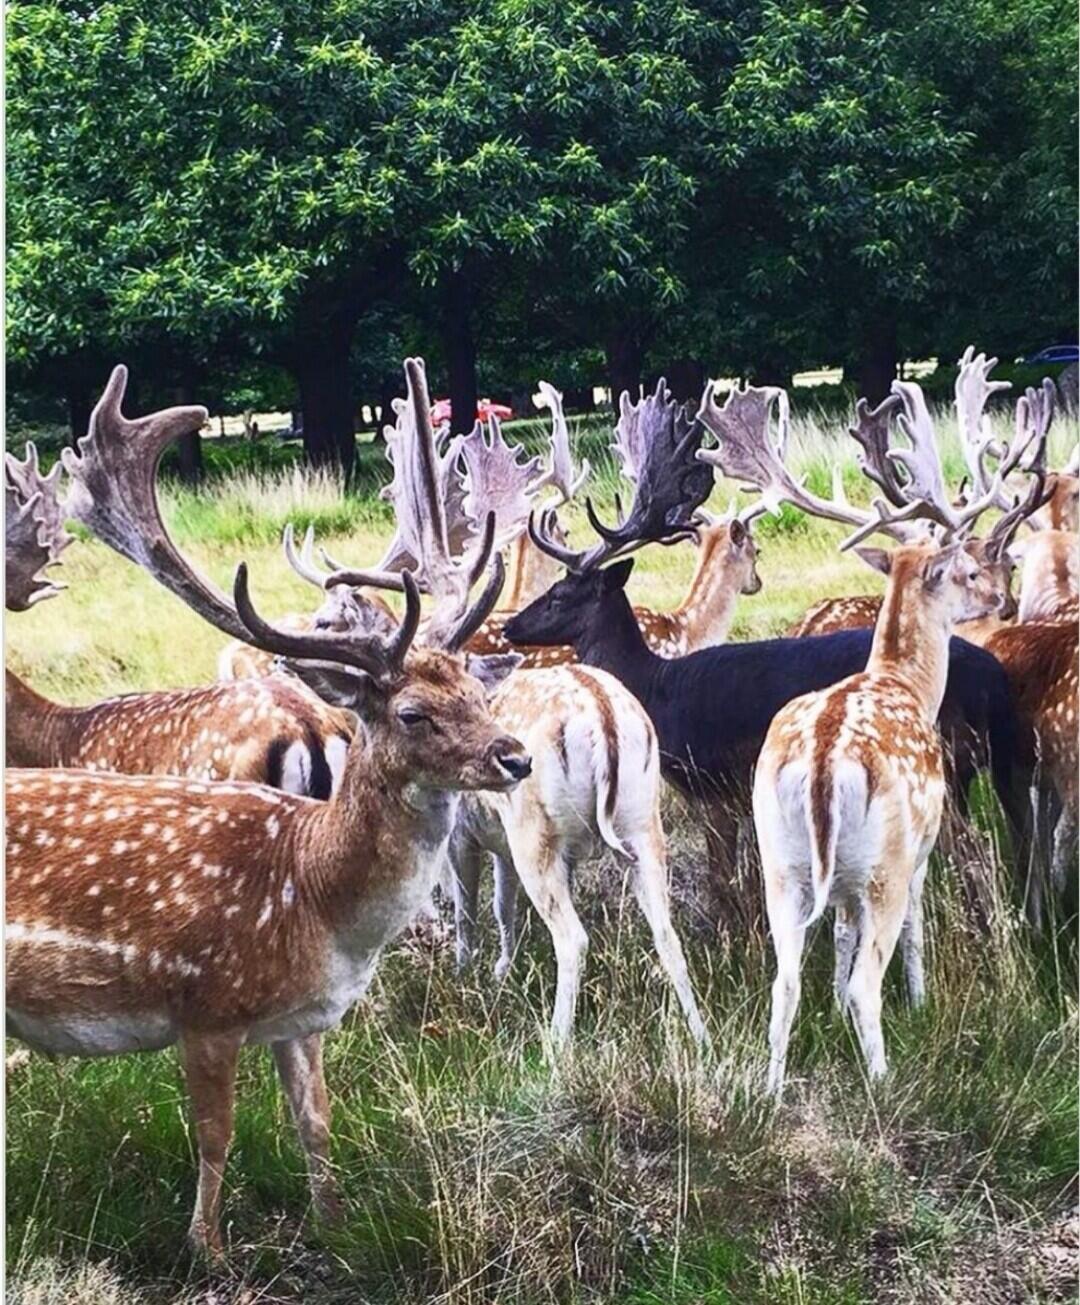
(1007, 606)
(513, 758)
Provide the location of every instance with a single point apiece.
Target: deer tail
(823, 823)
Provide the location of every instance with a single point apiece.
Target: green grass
(476, 1173)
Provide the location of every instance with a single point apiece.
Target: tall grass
(474, 1171)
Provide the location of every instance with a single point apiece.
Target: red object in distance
(441, 411)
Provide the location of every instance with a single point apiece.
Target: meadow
(474, 1170)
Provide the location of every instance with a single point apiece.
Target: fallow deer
(848, 795)
(973, 389)
(711, 709)
(595, 783)
(1049, 576)
(143, 912)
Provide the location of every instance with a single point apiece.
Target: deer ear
(615, 576)
(934, 570)
(879, 558)
(491, 671)
(737, 532)
(340, 686)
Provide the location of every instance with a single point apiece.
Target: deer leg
(466, 858)
(544, 873)
(209, 1061)
(911, 938)
(721, 849)
(783, 906)
(651, 890)
(883, 918)
(506, 895)
(300, 1066)
(1064, 853)
(845, 940)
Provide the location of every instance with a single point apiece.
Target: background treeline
(266, 205)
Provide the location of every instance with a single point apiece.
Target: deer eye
(409, 716)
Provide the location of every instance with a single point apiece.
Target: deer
(711, 709)
(1040, 660)
(849, 786)
(146, 911)
(266, 731)
(595, 783)
(972, 391)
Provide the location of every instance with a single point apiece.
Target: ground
(476, 1172)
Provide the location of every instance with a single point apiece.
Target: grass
(476, 1173)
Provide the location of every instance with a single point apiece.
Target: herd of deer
(224, 865)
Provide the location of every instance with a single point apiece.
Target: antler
(973, 389)
(496, 481)
(746, 453)
(629, 443)
(560, 471)
(871, 431)
(671, 486)
(34, 531)
(114, 495)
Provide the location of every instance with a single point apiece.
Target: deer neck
(706, 611)
(531, 573)
(35, 727)
(911, 638)
(614, 643)
(368, 858)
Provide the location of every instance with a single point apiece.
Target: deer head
(671, 485)
(424, 711)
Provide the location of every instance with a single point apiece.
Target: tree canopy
(622, 187)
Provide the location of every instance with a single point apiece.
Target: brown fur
(215, 908)
(221, 731)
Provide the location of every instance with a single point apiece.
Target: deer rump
(736, 690)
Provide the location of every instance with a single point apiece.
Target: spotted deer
(146, 911)
(849, 785)
(1034, 413)
(1049, 576)
(1040, 660)
(595, 783)
(266, 730)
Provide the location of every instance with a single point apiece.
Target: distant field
(475, 1174)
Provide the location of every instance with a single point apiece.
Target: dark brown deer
(144, 911)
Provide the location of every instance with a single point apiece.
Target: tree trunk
(460, 350)
(79, 409)
(686, 377)
(772, 369)
(875, 369)
(189, 446)
(321, 370)
(623, 353)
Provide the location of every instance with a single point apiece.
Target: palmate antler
(973, 390)
(498, 480)
(114, 495)
(745, 452)
(422, 485)
(560, 471)
(34, 534)
(671, 486)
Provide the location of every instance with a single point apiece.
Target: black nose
(516, 765)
